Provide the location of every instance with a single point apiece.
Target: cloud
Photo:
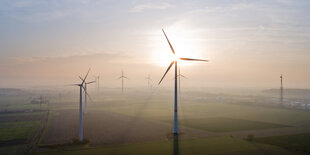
(143, 7)
(233, 7)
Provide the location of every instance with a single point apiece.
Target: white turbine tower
(122, 77)
(81, 107)
(175, 130)
(86, 94)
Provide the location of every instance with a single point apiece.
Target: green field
(218, 145)
(298, 142)
(212, 116)
(18, 123)
(17, 130)
(11, 150)
(219, 124)
(14, 136)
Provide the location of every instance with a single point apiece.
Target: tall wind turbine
(148, 78)
(81, 107)
(122, 77)
(86, 94)
(180, 75)
(175, 62)
(281, 91)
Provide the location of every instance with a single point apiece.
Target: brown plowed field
(102, 127)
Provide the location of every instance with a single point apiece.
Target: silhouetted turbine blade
(73, 85)
(86, 75)
(183, 76)
(87, 94)
(166, 71)
(190, 59)
(90, 82)
(125, 77)
(81, 78)
(169, 42)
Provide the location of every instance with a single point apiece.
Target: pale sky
(248, 43)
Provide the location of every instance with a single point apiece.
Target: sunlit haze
(133, 77)
(248, 43)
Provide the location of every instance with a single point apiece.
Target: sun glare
(183, 43)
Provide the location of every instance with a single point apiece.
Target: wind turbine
(281, 91)
(175, 62)
(148, 78)
(122, 77)
(81, 107)
(86, 94)
(180, 75)
(97, 80)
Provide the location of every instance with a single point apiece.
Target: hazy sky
(248, 43)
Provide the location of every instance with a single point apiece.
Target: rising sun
(182, 44)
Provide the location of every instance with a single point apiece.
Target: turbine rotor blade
(87, 94)
(125, 77)
(73, 85)
(90, 82)
(169, 42)
(81, 78)
(183, 76)
(166, 71)
(190, 59)
(86, 76)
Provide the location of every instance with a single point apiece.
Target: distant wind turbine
(81, 106)
(122, 77)
(281, 91)
(180, 75)
(97, 80)
(148, 78)
(175, 130)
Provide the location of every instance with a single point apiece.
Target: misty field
(190, 109)
(220, 124)
(18, 104)
(138, 122)
(136, 109)
(102, 127)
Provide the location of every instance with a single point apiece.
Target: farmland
(19, 124)
(139, 122)
(103, 128)
(220, 124)
(217, 145)
(297, 142)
